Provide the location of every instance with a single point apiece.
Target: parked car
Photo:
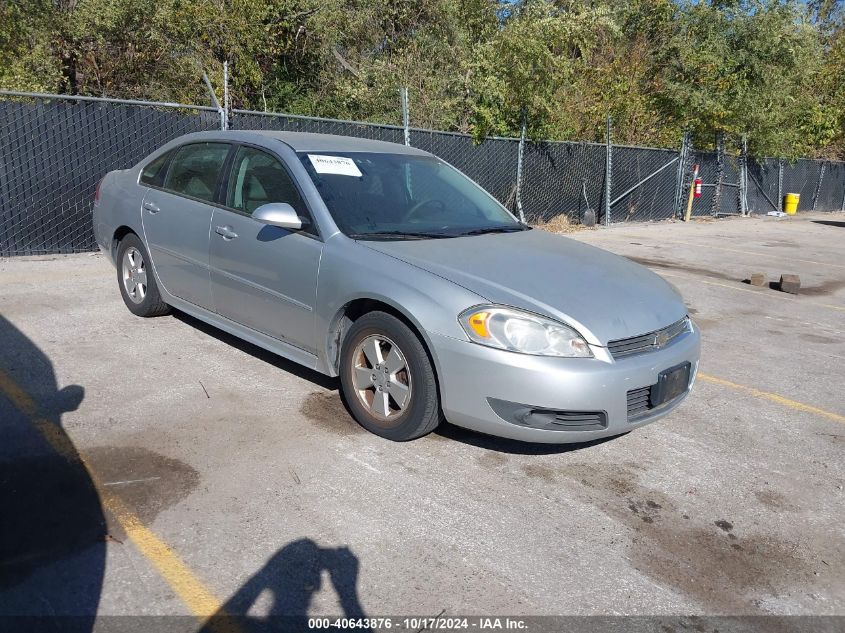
(387, 267)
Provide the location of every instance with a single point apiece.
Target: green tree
(621, 78)
(771, 69)
(519, 71)
(425, 45)
(26, 56)
(745, 67)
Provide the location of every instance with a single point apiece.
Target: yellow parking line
(761, 254)
(190, 589)
(17, 396)
(620, 238)
(772, 397)
(760, 293)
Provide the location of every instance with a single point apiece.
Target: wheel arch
(119, 233)
(358, 307)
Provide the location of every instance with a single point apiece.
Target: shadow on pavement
(514, 447)
(444, 430)
(262, 354)
(285, 586)
(52, 528)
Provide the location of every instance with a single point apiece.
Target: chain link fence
(764, 187)
(54, 149)
(492, 163)
(53, 153)
(643, 183)
(832, 193)
(562, 179)
(249, 120)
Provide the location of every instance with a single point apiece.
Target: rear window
(195, 169)
(153, 174)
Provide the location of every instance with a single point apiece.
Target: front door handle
(152, 207)
(226, 232)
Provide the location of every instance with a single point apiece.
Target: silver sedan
(387, 267)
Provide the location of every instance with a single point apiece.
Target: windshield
(401, 196)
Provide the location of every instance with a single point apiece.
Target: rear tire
(388, 380)
(136, 279)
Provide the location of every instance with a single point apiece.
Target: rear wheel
(387, 378)
(136, 280)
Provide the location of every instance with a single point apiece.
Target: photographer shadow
(290, 578)
(52, 526)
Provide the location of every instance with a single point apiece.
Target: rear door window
(196, 169)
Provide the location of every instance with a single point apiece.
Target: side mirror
(279, 214)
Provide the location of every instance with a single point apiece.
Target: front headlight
(518, 331)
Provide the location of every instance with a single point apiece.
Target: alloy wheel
(134, 275)
(381, 378)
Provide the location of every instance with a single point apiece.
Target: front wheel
(387, 379)
(136, 279)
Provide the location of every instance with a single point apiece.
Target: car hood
(605, 296)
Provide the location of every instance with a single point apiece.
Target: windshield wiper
(496, 229)
(420, 235)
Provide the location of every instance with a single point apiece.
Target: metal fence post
(780, 185)
(679, 176)
(406, 115)
(608, 171)
(214, 101)
(818, 185)
(716, 203)
(226, 95)
(743, 177)
(519, 158)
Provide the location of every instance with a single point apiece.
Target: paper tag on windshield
(339, 165)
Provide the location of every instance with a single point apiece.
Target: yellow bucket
(790, 203)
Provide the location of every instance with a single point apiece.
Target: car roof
(310, 142)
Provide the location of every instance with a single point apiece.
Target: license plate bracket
(671, 383)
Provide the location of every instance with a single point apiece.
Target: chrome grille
(648, 342)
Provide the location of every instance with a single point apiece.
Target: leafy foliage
(773, 70)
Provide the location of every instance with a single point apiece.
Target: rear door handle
(152, 207)
(226, 232)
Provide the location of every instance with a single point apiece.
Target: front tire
(136, 279)
(388, 380)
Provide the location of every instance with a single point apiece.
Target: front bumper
(472, 375)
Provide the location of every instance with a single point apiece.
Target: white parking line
(130, 481)
(361, 462)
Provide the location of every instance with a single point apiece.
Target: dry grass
(559, 224)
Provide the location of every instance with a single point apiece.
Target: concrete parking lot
(224, 477)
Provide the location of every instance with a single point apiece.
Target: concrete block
(790, 284)
(758, 279)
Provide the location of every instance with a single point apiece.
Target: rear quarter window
(153, 174)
